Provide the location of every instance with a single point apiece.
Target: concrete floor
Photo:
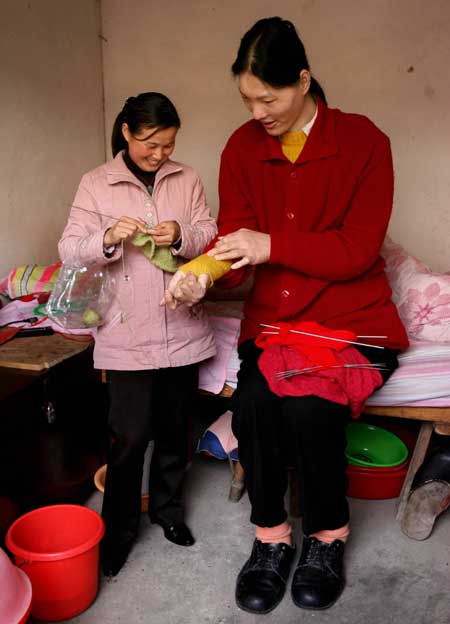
(390, 578)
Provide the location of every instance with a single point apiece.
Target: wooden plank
(237, 483)
(432, 414)
(37, 353)
(226, 391)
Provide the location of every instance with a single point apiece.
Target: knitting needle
(148, 226)
(126, 277)
(302, 371)
(275, 327)
(94, 212)
(347, 364)
(295, 331)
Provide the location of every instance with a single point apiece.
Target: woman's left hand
(165, 233)
(249, 246)
(185, 288)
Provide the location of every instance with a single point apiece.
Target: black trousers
(146, 405)
(307, 433)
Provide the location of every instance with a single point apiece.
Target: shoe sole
(424, 506)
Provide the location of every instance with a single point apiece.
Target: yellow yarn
(207, 264)
(292, 144)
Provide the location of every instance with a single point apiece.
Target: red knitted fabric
(347, 386)
(319, 350)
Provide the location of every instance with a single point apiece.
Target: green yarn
(161, 257)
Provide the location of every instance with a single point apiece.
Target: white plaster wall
(51, 120)
(388, 59)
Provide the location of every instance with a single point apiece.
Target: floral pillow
(421, 296)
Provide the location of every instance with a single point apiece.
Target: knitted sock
(161, 257)
(275, 535)
(329, 536)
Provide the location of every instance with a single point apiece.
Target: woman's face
(150, 147)
(277, 109)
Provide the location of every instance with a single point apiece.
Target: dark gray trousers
(147, 405)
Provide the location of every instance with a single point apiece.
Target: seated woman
(305, 198)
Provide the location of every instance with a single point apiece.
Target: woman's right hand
(123, 229)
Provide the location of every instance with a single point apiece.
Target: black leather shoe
(318, 579)
(435, 467)
(114, 555)
(429, 496)
(178, 534)
(261, 583)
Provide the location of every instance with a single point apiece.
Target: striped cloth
(422, 379)
(32, 278)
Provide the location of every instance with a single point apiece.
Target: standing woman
(305, 197)
(151, 357)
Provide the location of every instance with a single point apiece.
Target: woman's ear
(305, 81)
(126, 132)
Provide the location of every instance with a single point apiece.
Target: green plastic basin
(368, 445)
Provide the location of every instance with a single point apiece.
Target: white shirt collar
(307, 129)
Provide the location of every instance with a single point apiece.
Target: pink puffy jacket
(138, 333)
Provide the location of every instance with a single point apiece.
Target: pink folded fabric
(222, 429)
(213, 372)
(21, 309)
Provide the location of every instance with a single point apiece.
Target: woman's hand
(165, 233)
(123, 229)
(185, 288)
(248, 246)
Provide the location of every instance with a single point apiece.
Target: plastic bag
(81, 296)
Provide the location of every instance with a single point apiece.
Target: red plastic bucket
(58, 547)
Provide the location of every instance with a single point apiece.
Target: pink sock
(329, 536)
(275, 535)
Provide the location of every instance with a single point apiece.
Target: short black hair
(146, 110)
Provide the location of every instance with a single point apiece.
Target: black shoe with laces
(318, 579)
(262, 581)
